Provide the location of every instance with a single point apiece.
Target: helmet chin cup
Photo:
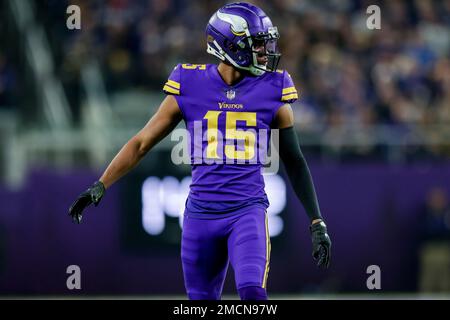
(257, 71)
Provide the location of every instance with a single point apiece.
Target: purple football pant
(209, 244)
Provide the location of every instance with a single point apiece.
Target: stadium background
(373, 120)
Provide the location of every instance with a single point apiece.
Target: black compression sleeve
(298, 172)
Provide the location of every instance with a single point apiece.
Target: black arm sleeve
(298, 172)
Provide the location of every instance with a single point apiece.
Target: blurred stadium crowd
(350, 77)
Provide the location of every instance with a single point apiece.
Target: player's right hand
(92, 195)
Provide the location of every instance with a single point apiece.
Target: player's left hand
(321, 244)
(92, 195)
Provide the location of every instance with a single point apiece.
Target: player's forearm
(298, 172)
(303, 186)
(127, 158)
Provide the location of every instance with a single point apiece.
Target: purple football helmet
(244, 36)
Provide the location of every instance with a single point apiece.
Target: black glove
(92, 195)
(321, 244)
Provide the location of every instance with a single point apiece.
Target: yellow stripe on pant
(266, 271)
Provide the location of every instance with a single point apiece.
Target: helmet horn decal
(238, 25)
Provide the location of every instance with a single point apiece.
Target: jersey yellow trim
(289, 97)
(289, 90)
(174, 84)
(171, 90)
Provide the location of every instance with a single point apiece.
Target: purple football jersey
(229, 128)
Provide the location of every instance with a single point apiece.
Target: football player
(225, 219)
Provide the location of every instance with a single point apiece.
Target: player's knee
(250, 273)
(252, 293)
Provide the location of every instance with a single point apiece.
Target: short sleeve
(173, 84)
(289, 93)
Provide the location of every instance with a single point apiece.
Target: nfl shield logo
(231, 94)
